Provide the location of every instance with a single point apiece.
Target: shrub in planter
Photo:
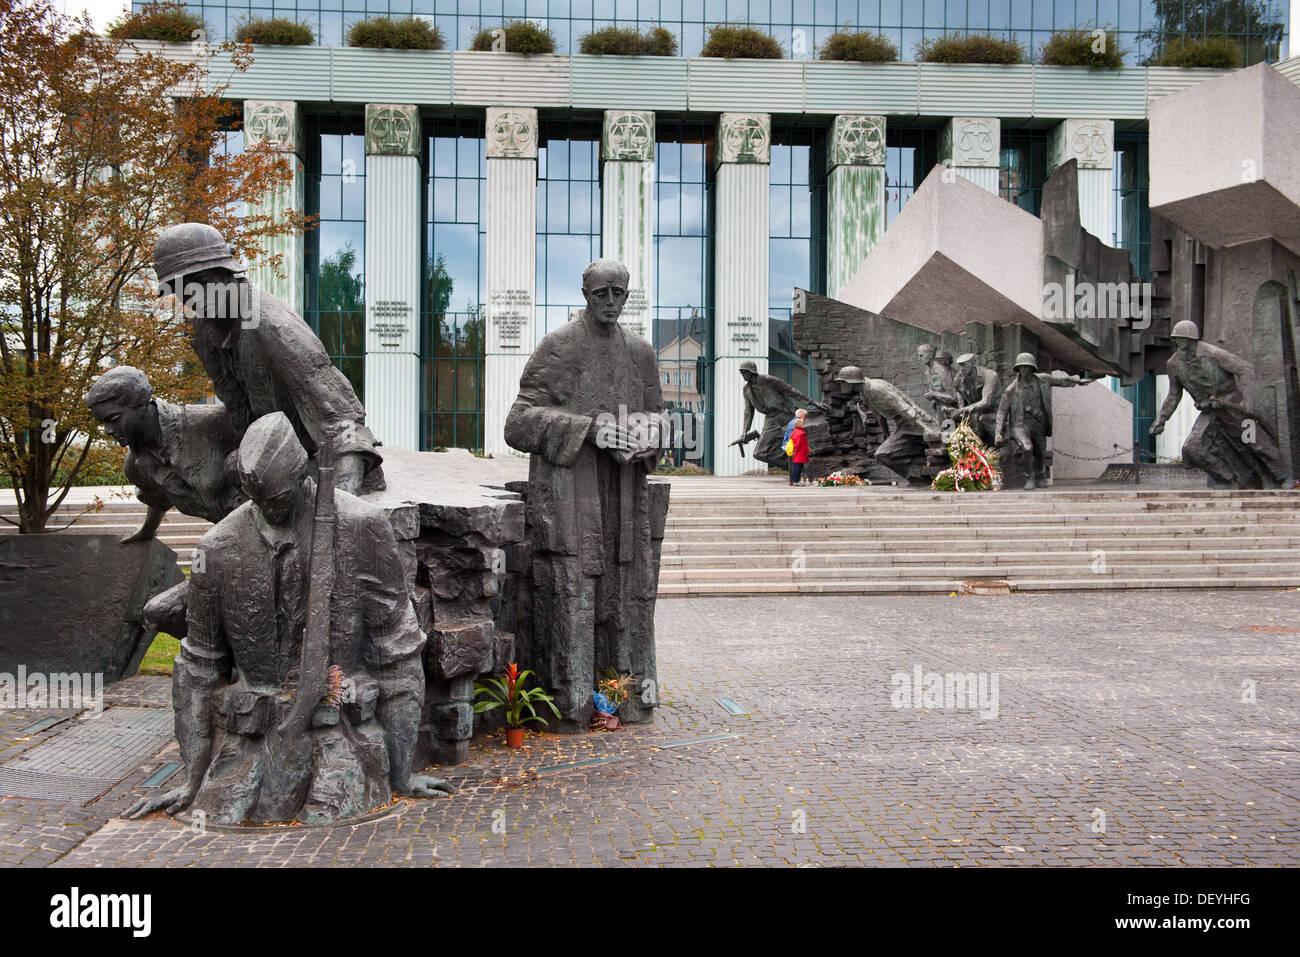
(733, 42)
(389, 33)
(276, 32)
(625, 41)
(970, 48)
(169, 22)
(1081, 48)
(522, 36)
(1218, 52)
(863, 47)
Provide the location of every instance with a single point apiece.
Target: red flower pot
(514, 737)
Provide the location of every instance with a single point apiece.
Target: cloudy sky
(101, 11)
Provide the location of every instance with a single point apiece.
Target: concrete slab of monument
(958, 254)
(450, 490)
(75, 603)
(1223, 158)
(1092, 427)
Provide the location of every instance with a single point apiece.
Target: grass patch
(158, 659)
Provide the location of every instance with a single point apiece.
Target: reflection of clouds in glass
(566, 258)
(778, 210)
(788, 266)
(681, 270)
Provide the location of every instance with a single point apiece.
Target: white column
(276, 123)
(627, 228)
(393, 227)
(511, 263)
(972, 146)
(740, 277)
(855, 203)
(1092, 144)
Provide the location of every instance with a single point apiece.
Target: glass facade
(910, 154)
(336, 250)
(796, 243)
(1023, 169)
(452, 327)
(801, 26)
(683, 327)
(568, 218)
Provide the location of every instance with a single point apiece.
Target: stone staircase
(758, 536)
(755, 535)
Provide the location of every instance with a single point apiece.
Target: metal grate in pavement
(89, 757)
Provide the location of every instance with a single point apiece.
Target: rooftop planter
(395, 33)
(1218, 53)
(164, 21)
(277, 32)
(1098, 49)
(859, 48)
(625, 41)
(521, 36)
(741, 42)
(970, 48)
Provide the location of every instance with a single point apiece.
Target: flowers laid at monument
(974, 465)
(610, 693)
(839, 479)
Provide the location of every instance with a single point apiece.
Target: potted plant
(165, 21)
(863, 47)
(275, 32)
(1218, 52)
(507, 693)
(611, 691)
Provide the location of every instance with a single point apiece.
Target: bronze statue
(298, 689)
(591, 412)
(261, 356)
(1025, 415)
(1228, 442)
(911, 429)
(777, 400)
(979, 390)
(178, 456)
(939, 380)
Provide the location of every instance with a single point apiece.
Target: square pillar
(627, 227)
(744, 157)
(855, 203)
(393, 234)
(1092, 144)
(276, 123)
(511, 263)
(972, 146)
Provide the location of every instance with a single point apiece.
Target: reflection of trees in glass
(1257, 31)
(341, 287)
(455, 334)
(341, 316)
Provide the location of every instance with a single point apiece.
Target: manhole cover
(89, 757)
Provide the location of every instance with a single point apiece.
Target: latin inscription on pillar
(509, 312)
(743, 331)
(390, 321)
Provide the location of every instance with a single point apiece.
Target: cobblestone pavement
(1120, 711)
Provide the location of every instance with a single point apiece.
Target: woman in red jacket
(799, 438)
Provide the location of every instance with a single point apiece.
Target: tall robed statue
(590, 410)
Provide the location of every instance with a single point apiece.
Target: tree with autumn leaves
(103, 143)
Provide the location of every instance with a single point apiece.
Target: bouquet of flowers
(839, 479)
(974, 465)
(611, 691)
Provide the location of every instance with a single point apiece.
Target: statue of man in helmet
(262, 357)
(1228, 442)
(778, 401)
(1025, 415)
(911, 429)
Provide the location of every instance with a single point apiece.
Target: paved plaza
(1124, 735)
